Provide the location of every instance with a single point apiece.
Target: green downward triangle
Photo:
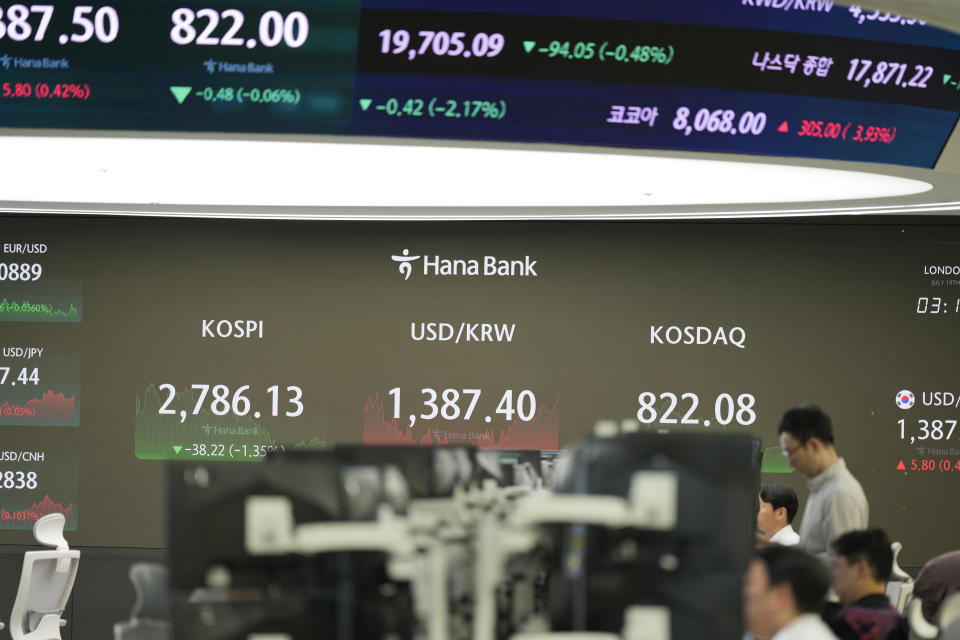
(177, 448)
(365, 103)
(529, 45)
(946, 78)
(180, 93)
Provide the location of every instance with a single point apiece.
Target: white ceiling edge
(165, 172)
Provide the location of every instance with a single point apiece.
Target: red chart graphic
(51, 408)
(541, 432)
(37, 511)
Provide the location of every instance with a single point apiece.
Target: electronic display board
(807, 78)
(127, 342)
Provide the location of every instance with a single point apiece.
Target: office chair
(918, 626)
(45, 583)
(900, 586)
(148, 619)
(948, 618)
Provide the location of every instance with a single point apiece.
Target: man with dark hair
(783, 594)
(778, 506)
(862, 564)
(836, 503)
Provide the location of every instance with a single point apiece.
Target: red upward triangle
(784, 127)
(900, 466)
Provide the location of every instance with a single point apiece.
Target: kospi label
(242, 329)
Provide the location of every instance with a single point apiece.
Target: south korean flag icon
(905, 399)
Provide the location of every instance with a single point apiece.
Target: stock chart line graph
(53, 408)
(40, 385)
(30, 311)
(47, 300)
(17, 516)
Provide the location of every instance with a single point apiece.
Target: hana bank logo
(485, 266)
(405, 259)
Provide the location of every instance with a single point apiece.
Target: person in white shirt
(836, 503)
(778, 506)
(783, 593)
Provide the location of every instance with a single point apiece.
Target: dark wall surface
(178, 339)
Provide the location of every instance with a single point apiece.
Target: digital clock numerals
(932, 305)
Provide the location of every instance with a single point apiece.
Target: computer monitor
(429, 472)
(695, 569)
(219, 591)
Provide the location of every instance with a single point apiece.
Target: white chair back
(898, 574)
(46, 581)
(898, 593)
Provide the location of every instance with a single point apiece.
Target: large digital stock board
(127, 342)
(807, 78)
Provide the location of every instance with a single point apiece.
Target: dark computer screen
(221, 590)
(695, 568)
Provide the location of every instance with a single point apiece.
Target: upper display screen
(778, 77)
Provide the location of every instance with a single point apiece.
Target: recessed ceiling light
(139, 171)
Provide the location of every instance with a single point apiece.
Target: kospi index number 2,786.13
(220, 400)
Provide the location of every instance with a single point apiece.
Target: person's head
(806, 437)
(862, 563)
(778, 506)
(781, 584)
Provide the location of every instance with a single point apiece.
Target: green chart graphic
(185, 435)
(774, 461)
(41, 301)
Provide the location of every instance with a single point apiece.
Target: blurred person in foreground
(836, 503)
(783, 594)
(939, 578)
(862, 564)
(778, 507)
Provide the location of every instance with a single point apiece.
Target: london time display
(810, 79)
